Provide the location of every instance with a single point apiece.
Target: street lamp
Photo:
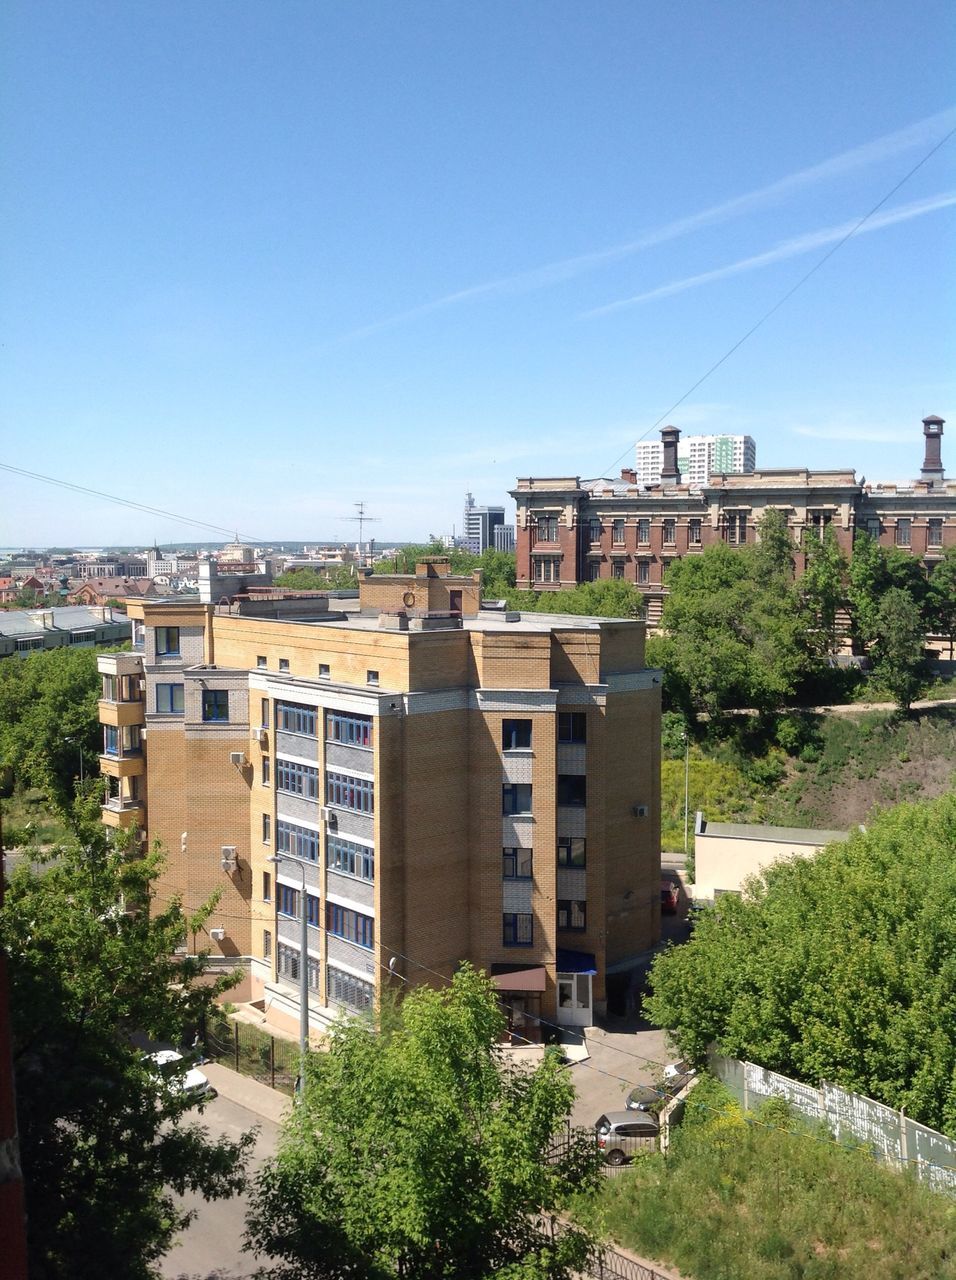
(79, 746)
(686, 784)
(277, 860)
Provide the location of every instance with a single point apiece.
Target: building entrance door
(574, 999)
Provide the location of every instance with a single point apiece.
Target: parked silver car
(621, 1133)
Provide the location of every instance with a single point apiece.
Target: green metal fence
(253, 1052)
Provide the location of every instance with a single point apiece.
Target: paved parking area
(618, 1060)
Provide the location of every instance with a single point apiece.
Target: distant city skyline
(264, 262)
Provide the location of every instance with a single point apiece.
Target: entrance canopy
(575, 962)
(508, 978)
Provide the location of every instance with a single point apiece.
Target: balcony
(128, 764)
(122, 811)
(121, 714)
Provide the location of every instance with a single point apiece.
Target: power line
(124, 502)
(788, 295)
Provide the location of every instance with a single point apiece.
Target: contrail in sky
(788, 249)
(870, 153)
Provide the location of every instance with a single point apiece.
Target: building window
(314, 973)
(873, 527)
(266, 887)
(517, 929)
(324, 671)
(291, 717)
(264, 713)
(266, 771)
(297, 842)
(693, 532)
(644, 532)
(371, 677)
(818, 521)
(572, 914)
(572, 789)
(347, 792)
(617, 532)
(547, 569)
(169, 699)
(351, 925)
(572, 726)
(110, 740)
(516, 797)
(287, 962)
(670, 531)
(546, 529)
(167, 642)
(643, 572)
(736, 527)
(283, 664)
(349, 859)
(516, 864)
(267, 944)
(344, 988)
(297, 779)
(903, 532)
(83, 637)
(352, 730)
(594, 570)
(266, 828)
(934, 532)
(287, 901)
(312, 910)
(261, 660)
(215, 704)
(617, 568)
(516, 735)
(110, 689)
(571, 851)
(594, 530)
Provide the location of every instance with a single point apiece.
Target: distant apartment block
(443, 783)
(505, 537)
(479, 525)
(698, 458)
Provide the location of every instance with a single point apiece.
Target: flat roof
(782, 835)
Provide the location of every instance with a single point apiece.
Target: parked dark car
(645, 1098)
(620, 1134)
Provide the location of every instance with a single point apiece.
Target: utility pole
(303, 970)
(686, 784)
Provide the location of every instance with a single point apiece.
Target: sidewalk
(246, 1092)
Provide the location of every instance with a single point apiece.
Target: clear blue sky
(264, 260)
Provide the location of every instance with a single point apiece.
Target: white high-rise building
(698, 458)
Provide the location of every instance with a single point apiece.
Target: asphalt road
(212, 1245)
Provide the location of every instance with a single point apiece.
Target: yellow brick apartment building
(446, 783)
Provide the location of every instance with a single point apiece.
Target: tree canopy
(417, 1151)
(840, 967)
(91, 963)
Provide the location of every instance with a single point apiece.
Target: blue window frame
(572, 914)
(297, 779)
(298, 842)
(215, 704)
(169, 700)
(347, 792)
(516, 797)
(517, 929)
(167, 642)
(287, 901)
(291, 717)
(349, 858)
(312, 910)
(343, 922)
(353, 731)
(110, 740)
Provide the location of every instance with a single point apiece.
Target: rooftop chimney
(932, 471)
(670, 473)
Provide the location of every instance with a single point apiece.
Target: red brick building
(570, 531)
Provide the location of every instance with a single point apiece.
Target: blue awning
(575, 962)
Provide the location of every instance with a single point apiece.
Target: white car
(193, 1083)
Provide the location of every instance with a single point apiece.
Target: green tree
(941, 598)
(48, 719)
(418, 1152)
(823, 589)
(899, 646)
(840, 967)
(91, 964)
(867, 579)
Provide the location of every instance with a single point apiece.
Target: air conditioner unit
(230, 857)
(238, 758)
(639, 810)
(260, 735)
(217, 935)
(142, 685)
(328, 816)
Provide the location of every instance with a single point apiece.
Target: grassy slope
(770, 1200)
(839, 769)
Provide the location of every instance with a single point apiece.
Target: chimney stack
(670, 474)
(932, 471)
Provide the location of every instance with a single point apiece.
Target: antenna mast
(361, 519)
